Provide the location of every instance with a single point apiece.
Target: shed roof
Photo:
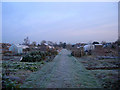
(21, 46)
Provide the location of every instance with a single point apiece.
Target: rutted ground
(63, 72)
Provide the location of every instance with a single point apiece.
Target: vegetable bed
(14, 73)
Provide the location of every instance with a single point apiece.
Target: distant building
(98, 46)
(17, 48)
(88, 48)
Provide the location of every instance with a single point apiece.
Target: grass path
(63, 72)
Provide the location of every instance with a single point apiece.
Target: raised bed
(104, 68)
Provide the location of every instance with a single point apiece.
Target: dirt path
(63, 72)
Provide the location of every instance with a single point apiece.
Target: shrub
(8, 83)
(42, 62)
(38, 56)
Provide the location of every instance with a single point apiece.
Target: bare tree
(103, 42)
(26, 41)
(43, 42)
(50, 43)
(33, 43)
(60, 44)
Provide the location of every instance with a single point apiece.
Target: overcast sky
(66, 22)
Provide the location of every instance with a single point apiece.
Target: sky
(70, 22)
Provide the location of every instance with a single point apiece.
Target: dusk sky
(66, 22)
